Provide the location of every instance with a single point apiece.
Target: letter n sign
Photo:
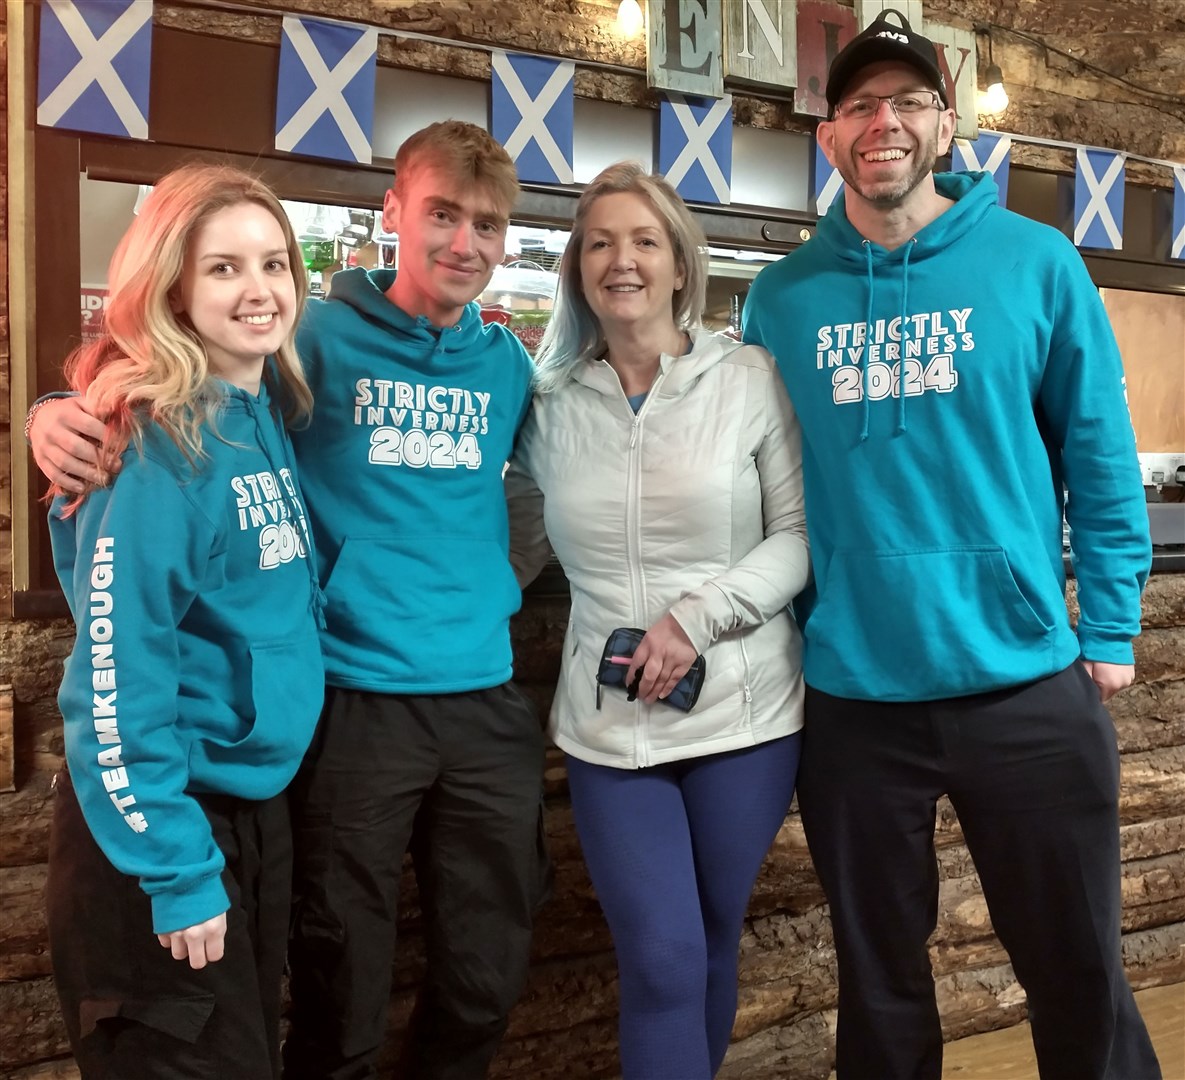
(761, 42)
(684, 47)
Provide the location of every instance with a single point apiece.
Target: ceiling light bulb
(995, 98)
(629, 18)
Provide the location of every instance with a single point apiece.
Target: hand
(68, 445)
(202, 943)
(663, 657)
(1109, 678)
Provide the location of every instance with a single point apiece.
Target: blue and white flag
(1177, 247)
(989, 153)
(325, 90)
(695, 146)
(93, 66)
(1098, 199)
(826, 183)
(531, 114)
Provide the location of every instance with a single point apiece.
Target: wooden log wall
(565, 1024)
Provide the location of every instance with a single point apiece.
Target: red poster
(823, 29)
(94, 303)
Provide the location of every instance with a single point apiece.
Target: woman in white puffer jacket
(663, 463)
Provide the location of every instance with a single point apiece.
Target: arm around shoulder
(68, 443)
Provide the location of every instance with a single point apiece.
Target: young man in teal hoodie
(954, 371)
(417, 405)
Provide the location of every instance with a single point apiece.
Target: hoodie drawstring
(867, 341)
(904, 336)
(867, 410)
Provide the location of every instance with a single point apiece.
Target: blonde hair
(463, 151)
(574, 332)
(150, 366)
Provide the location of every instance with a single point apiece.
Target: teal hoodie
(935, 516)
(403, 466)
(196, 666)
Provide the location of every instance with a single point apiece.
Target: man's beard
(886, 194)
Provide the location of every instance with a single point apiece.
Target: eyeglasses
(908, 103)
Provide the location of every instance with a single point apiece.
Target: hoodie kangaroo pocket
(287, 691)
(920, 625)
(424, 609)
(288, 688)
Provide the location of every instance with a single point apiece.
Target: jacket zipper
(745, 660)
(634, 540)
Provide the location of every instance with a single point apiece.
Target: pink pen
(627, 660)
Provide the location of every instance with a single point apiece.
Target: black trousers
(1033, 773)
(467, 770)
(132, 1012)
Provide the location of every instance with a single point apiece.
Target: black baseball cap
(882, 40)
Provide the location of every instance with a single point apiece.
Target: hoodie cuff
(178, 910)
(1104, 650)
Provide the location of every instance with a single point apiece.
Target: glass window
(1150, 329)
(522, 290)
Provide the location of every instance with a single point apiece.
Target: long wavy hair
(150, 366)
(574, 332)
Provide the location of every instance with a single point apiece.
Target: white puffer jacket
(693, 506)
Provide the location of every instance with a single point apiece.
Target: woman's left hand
(663, 658)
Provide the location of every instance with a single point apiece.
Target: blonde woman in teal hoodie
(196, 679)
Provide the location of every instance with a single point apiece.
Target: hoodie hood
(365, 291)
(973, 194)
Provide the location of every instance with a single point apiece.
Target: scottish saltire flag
(695, 146)
(1098, 199)
(93, 66)
(989, 153)
(826, 183)
(531, 114)
(325, 90)
(1177, 247)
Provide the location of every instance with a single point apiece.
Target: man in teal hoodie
(417, 406)
(955, 372)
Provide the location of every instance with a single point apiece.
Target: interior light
(629, 18)
(995, 98)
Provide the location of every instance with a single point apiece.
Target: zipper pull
(634, 433)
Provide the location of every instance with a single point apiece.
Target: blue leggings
(673, 852)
